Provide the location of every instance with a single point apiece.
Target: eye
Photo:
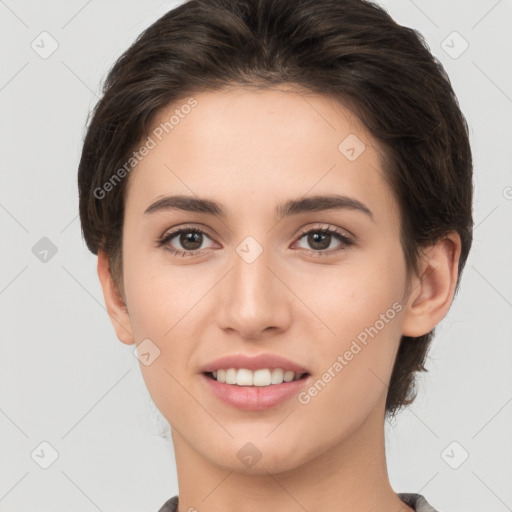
(192, 238)
(320, 239)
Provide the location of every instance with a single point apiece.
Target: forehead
(249, 148)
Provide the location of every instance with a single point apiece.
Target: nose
(253, 301)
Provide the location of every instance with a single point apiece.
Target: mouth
(258, 390)
(254, 382)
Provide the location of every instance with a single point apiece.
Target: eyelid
(303, 231)
(328, 227)
(185, 227)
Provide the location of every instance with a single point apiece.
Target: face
(321, 287)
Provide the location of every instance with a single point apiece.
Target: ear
(116, 307)
(431, 294)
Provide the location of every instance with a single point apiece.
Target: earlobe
(432, 293)
(114, 303)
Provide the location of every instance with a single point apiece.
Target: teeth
(277, 376)
(262, 378)
(242, 377)
(231, 376)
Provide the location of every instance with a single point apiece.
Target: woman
(279, 193)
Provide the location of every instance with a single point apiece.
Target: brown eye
(190, 240)
(320, 240)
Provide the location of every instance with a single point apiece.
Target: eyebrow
(291, 207)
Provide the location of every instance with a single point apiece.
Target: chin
(249, 459)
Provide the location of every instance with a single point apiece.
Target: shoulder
(170, 505)
(416, 501)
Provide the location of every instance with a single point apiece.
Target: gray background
(65, 378)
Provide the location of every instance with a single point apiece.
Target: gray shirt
(415, 501)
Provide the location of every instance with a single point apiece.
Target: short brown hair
(351, 50)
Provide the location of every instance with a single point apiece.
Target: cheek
(362, 309)
(350, 297)
(158, 309)
(160, 296)
(338, 303)
(165, 304)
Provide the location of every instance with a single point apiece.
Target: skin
(250, 151)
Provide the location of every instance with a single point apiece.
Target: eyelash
(167, 237)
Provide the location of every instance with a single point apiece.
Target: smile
(254, 397)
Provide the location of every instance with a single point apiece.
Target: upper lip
(257, 362)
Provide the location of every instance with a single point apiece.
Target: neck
(349, 477)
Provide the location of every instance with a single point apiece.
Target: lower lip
(254, 398)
